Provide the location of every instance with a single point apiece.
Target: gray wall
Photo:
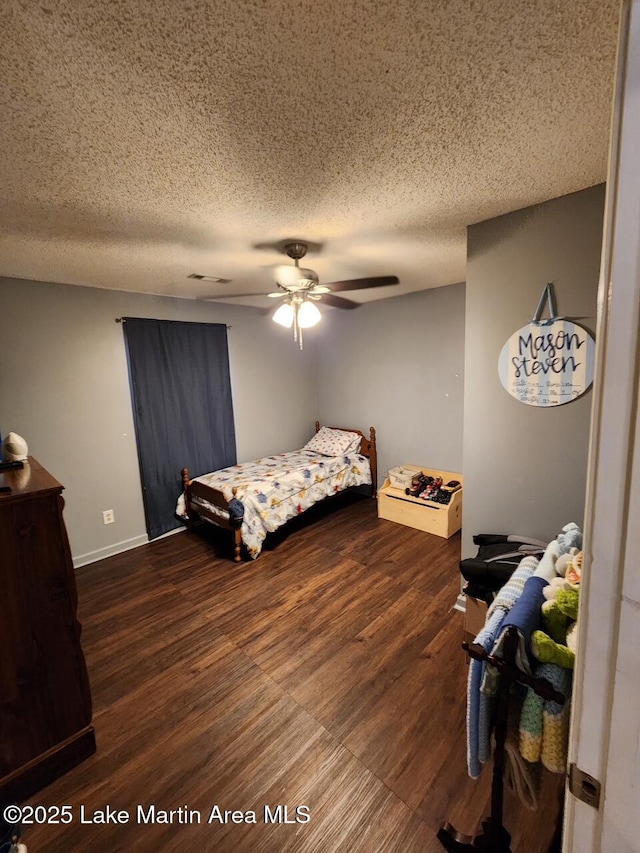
(397, 364)
(525, 467)
(64, 388)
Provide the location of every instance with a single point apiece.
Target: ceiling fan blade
(362, 283)
(338, 301)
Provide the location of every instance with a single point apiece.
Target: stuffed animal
(570, 537)
(572, 638)
(563, 561)
(555, 586)
(574, 571)
(559, 616)
(546, 568)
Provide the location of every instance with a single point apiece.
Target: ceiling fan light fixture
(284, 315)
(308, 315)
(294, 277)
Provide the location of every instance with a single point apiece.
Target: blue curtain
(182, 408)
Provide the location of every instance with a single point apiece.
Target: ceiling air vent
(214, 278)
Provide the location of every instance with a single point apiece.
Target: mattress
(275, 489)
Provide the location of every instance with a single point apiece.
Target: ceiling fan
(299, 288)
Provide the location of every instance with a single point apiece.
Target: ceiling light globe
(284, 315)
(308, 315)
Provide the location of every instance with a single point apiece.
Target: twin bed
(256, 498)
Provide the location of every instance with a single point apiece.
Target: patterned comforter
(277, 488)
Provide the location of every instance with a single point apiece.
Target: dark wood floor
(328, 673)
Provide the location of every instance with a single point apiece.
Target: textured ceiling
(142, 141)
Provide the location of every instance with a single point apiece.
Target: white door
(605, 734)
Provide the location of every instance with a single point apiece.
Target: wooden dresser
(45, 701)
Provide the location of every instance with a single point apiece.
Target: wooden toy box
(439, 519)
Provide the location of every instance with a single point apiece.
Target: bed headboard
(367, 448)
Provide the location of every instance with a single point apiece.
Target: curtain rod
(124, 320)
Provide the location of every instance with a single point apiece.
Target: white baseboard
(118, 548)
(109, 550)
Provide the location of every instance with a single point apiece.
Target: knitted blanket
(512, 590)
(544, 724)
(480, 705)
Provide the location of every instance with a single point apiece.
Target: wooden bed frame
(217, 498)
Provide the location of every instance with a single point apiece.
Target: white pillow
(333, 442)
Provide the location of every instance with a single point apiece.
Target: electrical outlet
(108, 516)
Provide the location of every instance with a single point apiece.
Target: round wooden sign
(547, 364)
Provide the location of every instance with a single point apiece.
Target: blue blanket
(525, 617)
(480, 705)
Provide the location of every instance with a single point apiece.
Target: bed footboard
(192, 489)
